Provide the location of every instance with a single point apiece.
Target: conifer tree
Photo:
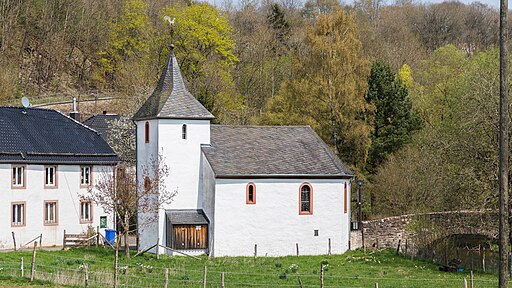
(394, 119)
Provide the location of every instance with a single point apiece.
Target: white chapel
(241, 190)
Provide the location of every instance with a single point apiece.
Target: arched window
(146, 132)
(305, 199)
(184, 131)
(250, 197)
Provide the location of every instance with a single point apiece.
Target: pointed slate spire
(171, 99)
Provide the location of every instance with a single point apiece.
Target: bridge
(421, 230)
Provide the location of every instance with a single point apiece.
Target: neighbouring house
(101, 123)
(48, 163)
(241, 190)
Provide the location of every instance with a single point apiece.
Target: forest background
(405, 93)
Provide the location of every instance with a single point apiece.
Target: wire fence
(64, 270)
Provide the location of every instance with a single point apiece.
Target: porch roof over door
(187, 217)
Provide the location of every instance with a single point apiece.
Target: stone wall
(422, 229)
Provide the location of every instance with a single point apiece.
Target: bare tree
(121, 194)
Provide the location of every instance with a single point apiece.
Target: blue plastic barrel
(110, 235)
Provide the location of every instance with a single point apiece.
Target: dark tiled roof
(100, 123)
(271, 151)
(171, 99)
(34, 135)
(186, 217)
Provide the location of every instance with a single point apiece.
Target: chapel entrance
(187, 229)
(190, 237)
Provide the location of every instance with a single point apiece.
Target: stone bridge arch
(423, 229)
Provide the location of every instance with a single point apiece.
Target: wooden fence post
(115, 264)
(329, 246)
(21, 268)
(398, 248)
(222, 280)
(255, 250)
(166, 278)
(64, 240)
(471, 279)
(33, 267)
(204, 276)
(86, 274)
(40, 241)
(406, 246)
(376, 285)
(14, 240)
(97, 236)
(297, 248)
(465, 283)
(321, 275)
(483, 260)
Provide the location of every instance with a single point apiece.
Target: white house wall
(274, 223)
(67, 194)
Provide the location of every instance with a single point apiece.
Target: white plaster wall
(67, 194)
(146, 153)
(183, 157)
(274, 223)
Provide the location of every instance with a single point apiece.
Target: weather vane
(171, 22)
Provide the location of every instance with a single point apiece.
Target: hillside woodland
(405, 93)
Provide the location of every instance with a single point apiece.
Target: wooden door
(190, 237)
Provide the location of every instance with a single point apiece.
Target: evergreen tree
(394, 119)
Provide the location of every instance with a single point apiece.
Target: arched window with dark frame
(184, 131)
(250, 197)
(305, 199)
(146, 132)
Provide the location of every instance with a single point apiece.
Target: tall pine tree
(394, 119)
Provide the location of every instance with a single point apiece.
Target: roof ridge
(76, 121)
(263, 126)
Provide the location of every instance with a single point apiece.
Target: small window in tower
(251, 194)
(146, 132)
(147, 184)
(184, 131)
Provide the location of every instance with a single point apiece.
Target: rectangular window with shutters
(51, 212)
(18, 214)
(50, 177)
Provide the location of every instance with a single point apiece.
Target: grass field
(352, 269)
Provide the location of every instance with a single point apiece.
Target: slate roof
(271, 152)
(186, 217)
(35, 135)
(171, 99)
(100, 123)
